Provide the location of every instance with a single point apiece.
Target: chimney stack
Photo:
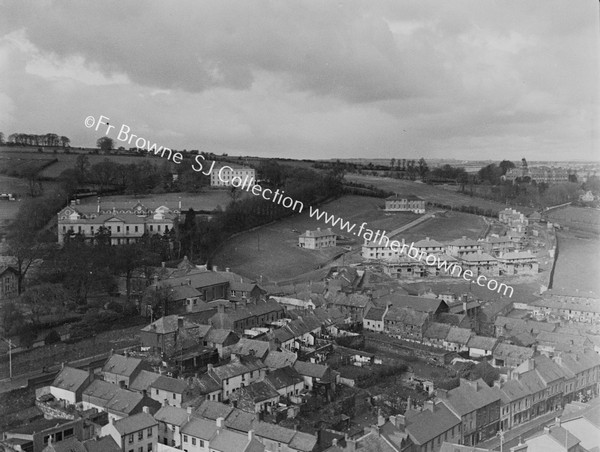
(220, 422)
(250, 435)
(146, 409)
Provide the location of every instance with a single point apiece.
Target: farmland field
(578, 265)
(577, 218)
(430, 193)
(272, 250)
(65, 161)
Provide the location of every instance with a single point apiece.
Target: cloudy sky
(473, 79)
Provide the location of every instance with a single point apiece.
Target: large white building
(126, 221)
(222, 175)
(404, 203)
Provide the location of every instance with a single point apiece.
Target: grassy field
(577, 267)
(208, 200)
(15, 154)
(577, 218)
(272, 251)
(447, 226)
(431, 193)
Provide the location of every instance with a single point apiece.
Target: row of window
(140, 435)
(141, 448)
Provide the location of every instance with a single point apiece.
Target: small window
(130, 438)
(149, 432)
(193, 441)
(185, 438)
(140, 435)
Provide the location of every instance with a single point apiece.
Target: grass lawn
(431, 193)
(447, 226)
(272, 251)
(577, 267)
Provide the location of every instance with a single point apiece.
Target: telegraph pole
(10, 347)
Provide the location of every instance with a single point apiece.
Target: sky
(465, 79)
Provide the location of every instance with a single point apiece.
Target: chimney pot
(146, 409)
(220, 422)
(250, 435)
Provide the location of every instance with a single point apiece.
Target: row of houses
(492, 257)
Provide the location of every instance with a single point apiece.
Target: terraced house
(478, 407)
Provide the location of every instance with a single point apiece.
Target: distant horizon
(306, 79)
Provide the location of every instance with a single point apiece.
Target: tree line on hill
(32, 139)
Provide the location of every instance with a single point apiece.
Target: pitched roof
(311, 369)
(257, 392)
(427, 425)
(122, 365)
(200, 428)
(235, 368)
(464, 242)
(71, 379)
(478, 257)
(169, 384)
(459, 335)
(143, 380)
(134, 423)
(67, 445)
(124, 401)
(228, 440)
(104, 444)
(482, 342)
(318, 233)
(409, 197)
(375, 314)
(172, 415)
(470, 396)
(168, 324)
(218, 336)
(101, 389)
(283, 377)
(213, 410)
(421, 304)
(276, 360)
(251, 347)
(407, 316)
(504, 350)
(437, 331)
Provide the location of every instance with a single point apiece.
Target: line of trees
(31, 139)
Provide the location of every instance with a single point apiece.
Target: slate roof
(406, 316)
(122, 365)
(257, 392)
(410, 197)
(437, 331)
(228, 440)
(375, 314)
(124, 401)
(284, 377)
(213, 410)
(168, 324)
(71, 379)
(104, 444)
(234, 368)
(143, 380)
(218, 336)
(303, 441)
(513, 390)
(482, 342)
(427, 425)
(169, 384)
(504, 351)
(311, 369)
(71, 444)
(251, 347)
(428, 243)
(172, 415)
(101, 389)
(134, 423)
(276, 360)
(200, 428)
(421, 304)
(459, 335)
(470, 396)
(478, 257)
(318, 233)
